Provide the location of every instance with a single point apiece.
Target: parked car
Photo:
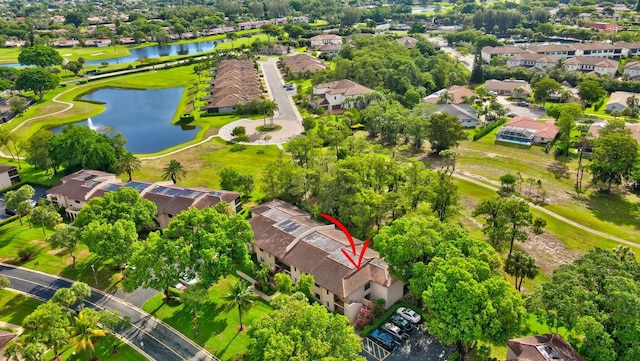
(405, 325)
(542, 107)
(512, 114)
(383, 339)
(289, 86)
(13, 212)
(523, 104)
(395, 332)
(409, 314)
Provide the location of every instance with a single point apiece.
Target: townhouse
(541, 62)
(596, 66)
(490, 52)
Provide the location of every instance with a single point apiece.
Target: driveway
(161, 341)
(286, 116)
(531, 111)
(422, 346)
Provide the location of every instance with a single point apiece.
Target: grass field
(218, 328)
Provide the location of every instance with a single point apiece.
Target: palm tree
(521, 266)
(624, 253)
(232, 36)
(6, 138)
(85, 330)
(128, 163)
(632, 101)
(518, 92)
(446, 97)
(269, 108)
(174, 171)
(242, 296)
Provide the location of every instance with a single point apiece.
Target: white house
(490, 52)
(290, 242)
(333, 95)
(323, 39)
(8, 176)
(465, 113)
(541, 62)
(557, 50)
(523, 130)
(632, 68)
(597, 66)
(599, 50)
(506, 87)
(618, 100)
(170, 199)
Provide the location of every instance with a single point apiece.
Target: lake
(154, 51)
(142, 116)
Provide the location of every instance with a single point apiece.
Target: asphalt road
(161, 342)
(531, 111)
(286, 108)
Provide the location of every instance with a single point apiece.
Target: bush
(26, 253)
(238, 131)
(308, 124)
(242, 138)
(481, 132)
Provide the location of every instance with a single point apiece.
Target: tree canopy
(78, 147)
(38, 80)
(39, 55)
(614, 154)
(296, 330)
(123, 204)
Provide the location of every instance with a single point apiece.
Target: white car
(408, 314)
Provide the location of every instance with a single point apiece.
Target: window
(367, 285)
(170, 215)
(368, 296)
(328, 304)
(317, 296)
(327, 291)
(261, 259)
(77, 202)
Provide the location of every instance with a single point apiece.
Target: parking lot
(531, 111)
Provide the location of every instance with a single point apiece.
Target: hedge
(481, 132)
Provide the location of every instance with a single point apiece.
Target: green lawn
(103, 351)
(15, 307)
(240, 42)
(204, 162)
(218, 328)
(14, 237)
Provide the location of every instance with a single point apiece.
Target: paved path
(471, 179)
(287, 115)
(161, 341)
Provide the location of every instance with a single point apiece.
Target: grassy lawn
(15, 307)
(103, 350)
(13, 237)
(31, 175)
(241, 42)
(204, 162)
(218, 328)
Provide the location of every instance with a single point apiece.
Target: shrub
(26, 253)
(365, 316)
(308, 123)
(242, 138)
(237, 131)
(481, 132)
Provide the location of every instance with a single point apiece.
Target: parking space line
(375, 350)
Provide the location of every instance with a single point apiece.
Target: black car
(523, 104)
(405, 325)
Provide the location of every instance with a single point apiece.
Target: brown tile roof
(330, 47)
(596, 46)
(458, 92)
(541, 129)
(301, 63)
(534, 57)
(590, 60)
(236, 81)
(326, 37)
(503, 50)
(506, 85)
(5, 337)
(289, 234)
(595, 129)
(629, 44)
(5, 168)
(633, 65)
(541, 348)
(345, 87)
(550, 48)
(408, 41)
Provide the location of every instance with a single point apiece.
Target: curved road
(161, 342)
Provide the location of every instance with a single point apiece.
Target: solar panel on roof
(215, 193)
(137, 186)
(291, 227)
(112, 187)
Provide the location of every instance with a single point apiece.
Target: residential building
(547, 347)
(301, 64)
(557, 50)
(407, 41)
(277, 49)
(323, 39)
(599, 50)
(618, 100)
(332, 95)
(13, 43)
(458, 92)
(507, 87)
(65, 43)
(330, 50)
(603, 27)
(541, 62)
(490, 52)
(170, 199)
(236, 81)
(289, 241)
(592, 65)
(523, 130)
(99, 43)
(632, 69)
(8, 176)
(630, 48)
(465, 113)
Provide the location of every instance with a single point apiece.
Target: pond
(142, 116)
(154, 51)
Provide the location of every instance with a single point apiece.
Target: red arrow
(353, 245)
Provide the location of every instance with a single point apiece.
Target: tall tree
(590, 91)
(79, 147)
(443, 196)
(18, 200)
(544, 88)
(47, 324)
(8, 139)
(114, 241)
(444, 131)
(614, 154)
(37, 150)
(520, 266)
(123, 204)
(240, 296)
(40, 56)
(127, 163)
(174, 171)
(65, 237)
(38, 80)
(45, 216)
(296, 330)
(84, 330)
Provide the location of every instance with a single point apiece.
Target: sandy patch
(67, 54)
(548, 251)
(94, 54)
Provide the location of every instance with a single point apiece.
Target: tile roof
(236, 81)
(541, 348)
(589, 60)
(345, 87)
(510, 85)
(326, 37)
(634, 65)
(301, 63)
(596, 46)
(5, 337)
(550, 48)
(5, 168)
(458, 92)
(540, 129)
(408, 41)
(289, 234)
(503, 50)
(534, 57)
(459, 110)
